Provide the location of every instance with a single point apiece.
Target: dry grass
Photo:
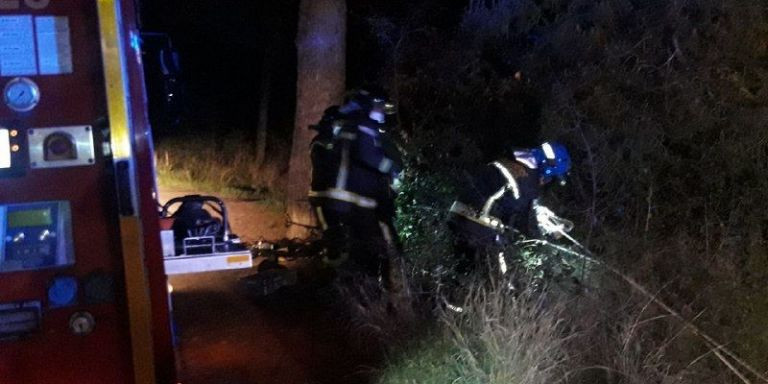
(499, 338)
(506, 338)
(224, 166)
(376, 317)
(611, 335)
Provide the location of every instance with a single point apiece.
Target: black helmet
(370, 97)
(330, 116)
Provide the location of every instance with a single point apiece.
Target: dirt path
(226, 337)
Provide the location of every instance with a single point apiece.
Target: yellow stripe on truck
(112, 57)
(139, 305)
(137, 291)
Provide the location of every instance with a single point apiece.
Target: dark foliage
(663, 105)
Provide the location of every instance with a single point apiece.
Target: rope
(717, 347)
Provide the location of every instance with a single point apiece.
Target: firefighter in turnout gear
(354, 166)
(504, 196)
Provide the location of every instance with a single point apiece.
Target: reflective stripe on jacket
(500, 196)
(351, 162)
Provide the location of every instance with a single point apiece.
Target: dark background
(222, 48)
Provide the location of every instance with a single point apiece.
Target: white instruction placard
(53, 46)
(5, 148)
(17, 46)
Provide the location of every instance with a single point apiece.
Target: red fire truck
(83, 292)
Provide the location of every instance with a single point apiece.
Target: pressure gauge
(21, 94)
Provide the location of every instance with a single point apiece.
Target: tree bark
(321, 51)
(261, 127)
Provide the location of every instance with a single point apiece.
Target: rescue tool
(195, 240)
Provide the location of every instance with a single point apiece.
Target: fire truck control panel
(83, 290)
(35, 236)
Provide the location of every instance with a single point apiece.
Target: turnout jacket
(353, 162)
(498, 197)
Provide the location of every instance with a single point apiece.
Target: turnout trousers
(358, 240)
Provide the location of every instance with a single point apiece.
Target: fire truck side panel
(86, 339)
(146, 179)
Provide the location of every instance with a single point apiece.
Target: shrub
(663, 107)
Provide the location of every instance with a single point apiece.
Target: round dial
(21, 94)
(81, 323)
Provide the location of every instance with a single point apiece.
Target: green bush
(422, 215)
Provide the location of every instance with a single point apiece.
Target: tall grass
(610, 335)
(225, 166)
(613, 331)
(498, 338)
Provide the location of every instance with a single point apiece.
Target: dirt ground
(251, 220)
(294, 338)
(225, 336)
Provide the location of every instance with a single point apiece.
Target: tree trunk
(321, 51)
(261, 127)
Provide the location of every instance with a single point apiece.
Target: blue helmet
(552, 159)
